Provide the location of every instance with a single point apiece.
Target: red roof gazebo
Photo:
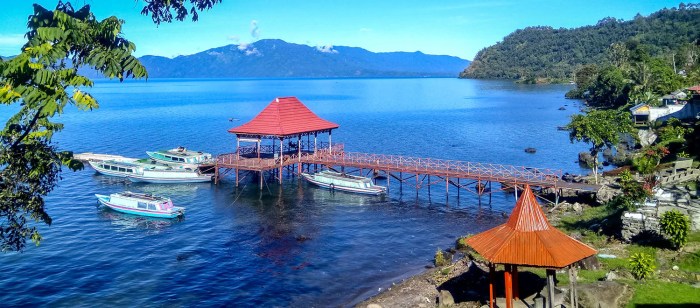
(527, 239)
(283, 118)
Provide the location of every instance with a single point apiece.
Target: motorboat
(141, 204)
(150, 171)
(344, 182)
(181, 155)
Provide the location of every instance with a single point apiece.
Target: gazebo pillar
(315, 143)
(492, 274)
(550, 287)
(299, 154)
(238, 148)
(330, 142)
(508, 280)
(281, 159)
(516, 288)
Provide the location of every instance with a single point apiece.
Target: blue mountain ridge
(273, 58)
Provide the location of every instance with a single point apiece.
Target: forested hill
(277, 58)
(545, 52)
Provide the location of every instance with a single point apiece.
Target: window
(122, 169)
(130, 170)
(181, 159)
(142, 205)
(114, 168)
(151, 207)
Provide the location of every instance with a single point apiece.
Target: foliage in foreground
(43, 80)
(677, 226)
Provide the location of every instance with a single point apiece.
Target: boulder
(590, 263)
(610, 276)
(646, 137)
(602, 294)
(605, 194)
(374, 306)
(577, 207)
(445, 299)
(586, 158)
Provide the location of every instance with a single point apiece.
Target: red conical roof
(529, 239)
(284, 116)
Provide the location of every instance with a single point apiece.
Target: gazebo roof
(284, 116)
(529, 239)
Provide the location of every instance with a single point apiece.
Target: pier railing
(396, 163)
(440, 167)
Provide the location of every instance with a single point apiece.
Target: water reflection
(127, 222)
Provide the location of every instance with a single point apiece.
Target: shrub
(461, 242)
(641, 265)
(676, 226)
(440, 258)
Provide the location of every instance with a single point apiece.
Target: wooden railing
(395, 163)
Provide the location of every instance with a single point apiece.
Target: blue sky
(457, 28)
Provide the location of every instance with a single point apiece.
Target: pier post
(299, 154)
(388, 180)
(236, 176)
(261, 180)
(447, 188)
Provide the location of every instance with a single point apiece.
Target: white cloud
(242, 46)
(326, 49)
(253, 52)
(254, 30)
(215, 53)
(234, 38)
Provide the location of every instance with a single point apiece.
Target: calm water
(247, 246)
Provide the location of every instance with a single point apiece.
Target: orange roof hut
(527, 239)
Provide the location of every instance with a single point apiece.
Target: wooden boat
(181, 155)
(343, 182)
(149, 171)
(141, 204)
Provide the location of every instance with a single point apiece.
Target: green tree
(677, 226)
(601, 128)
(610, 89)
(44, 79)
(40, 79)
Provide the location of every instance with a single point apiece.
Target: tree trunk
(595, 166)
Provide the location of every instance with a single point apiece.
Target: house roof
(529, 239)
(640, 109)
(284, 116)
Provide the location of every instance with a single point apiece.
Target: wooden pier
(286, 121)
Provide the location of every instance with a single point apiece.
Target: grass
(656, 292)
(690, 262)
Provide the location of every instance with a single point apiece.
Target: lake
(288, 245)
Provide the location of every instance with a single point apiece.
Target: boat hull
(333, 187)
(104, 200)
(165, 180)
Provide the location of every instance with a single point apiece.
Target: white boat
(89, 156)
(343, 182)
(181, 155)
(141, 204)
(149, 171)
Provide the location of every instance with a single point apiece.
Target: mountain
(545, 52)
(277, 58)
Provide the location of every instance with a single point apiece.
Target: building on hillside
(644, 113)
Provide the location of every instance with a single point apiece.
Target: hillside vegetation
(545, 52)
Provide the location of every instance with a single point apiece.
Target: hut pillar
(281, 160)
(508, 280)
(572, 286)
(299, 154)
(330, 143)
(492, 275)
(550, 288)
(516, 288)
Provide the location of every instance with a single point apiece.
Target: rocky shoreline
(463, 283)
